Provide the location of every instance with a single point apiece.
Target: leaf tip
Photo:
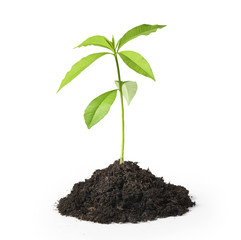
(58, 90)
(89, 125)
(161, 26)
(153, 78)
(77, 46)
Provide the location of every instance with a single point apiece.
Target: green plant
(100, 106)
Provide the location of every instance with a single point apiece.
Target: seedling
(100, 106)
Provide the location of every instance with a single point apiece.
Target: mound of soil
(124, 193)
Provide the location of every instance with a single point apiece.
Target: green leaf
(129, 89)
(98, 108)
(78, 67)
(100, 41)
(113, 42)
(143, 29)
(137, 63)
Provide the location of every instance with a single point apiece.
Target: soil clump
(124, 193)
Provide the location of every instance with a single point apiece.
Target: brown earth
(124, 193)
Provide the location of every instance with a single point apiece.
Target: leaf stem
(122, 110)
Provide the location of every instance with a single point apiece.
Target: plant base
(124, 193)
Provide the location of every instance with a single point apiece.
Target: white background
(185, 127)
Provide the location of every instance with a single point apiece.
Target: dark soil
(124, 193)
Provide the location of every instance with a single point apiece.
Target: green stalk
(122, 110)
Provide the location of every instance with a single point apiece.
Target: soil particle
(124, 193)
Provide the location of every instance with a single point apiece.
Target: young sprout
(100, 106)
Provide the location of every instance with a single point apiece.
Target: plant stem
(122, 110)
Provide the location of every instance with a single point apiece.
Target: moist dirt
(124, 193)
